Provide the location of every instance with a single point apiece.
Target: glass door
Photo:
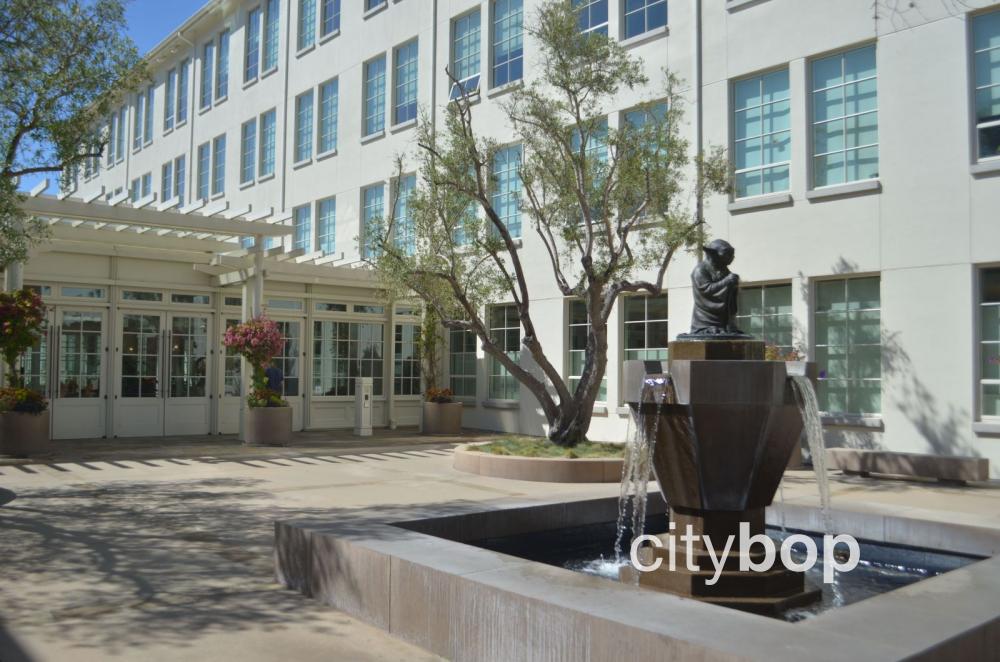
(139, 403)
(188, 404)
(290, 363)
(79, 400)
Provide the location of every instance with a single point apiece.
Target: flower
(258, 340)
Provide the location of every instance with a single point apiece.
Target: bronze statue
(716, 292)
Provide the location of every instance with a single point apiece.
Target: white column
(14, 276)
(258, 275)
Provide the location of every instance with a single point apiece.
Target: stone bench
(941, 467)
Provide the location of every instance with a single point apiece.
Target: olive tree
(610, 207)
(64, 63)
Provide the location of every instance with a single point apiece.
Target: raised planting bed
(540, 461)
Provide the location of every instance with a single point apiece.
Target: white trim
(736, 5)
(851, 188)
(760, 202)
(985, 167)
(648, 35)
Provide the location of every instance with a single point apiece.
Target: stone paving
(152, 550)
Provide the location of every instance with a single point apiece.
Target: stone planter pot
(442, 418)
(268, 426)
(24, 435)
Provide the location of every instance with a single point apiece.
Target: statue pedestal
(707, 348)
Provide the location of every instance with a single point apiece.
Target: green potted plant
(441, 414)
(24, 415)
(268, 420)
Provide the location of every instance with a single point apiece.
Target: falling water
(637, 466)
(805, 396)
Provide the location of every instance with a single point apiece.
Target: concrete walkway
(127, 556)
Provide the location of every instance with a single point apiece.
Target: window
(302, 226)
(169, 101)
(182, 91)
(204, 170)
(845, 118)
(507, 194)
(508, 41)
(986, 55)
(133, 191)
(233, 367)
(646, 328)
(251, 66)
(404, 228)
(167, 182)
(505, 332)
(406, 368)
(82, 292)
(219, 165)
(404, 106)
(848, 345)
(593, 15)
(989, 338)
(303, 126)
(596, 156)
(343, 351)
(763, 136)
(644, 15)
(327, 220)
(766, 313)
(375, 96)
(288, 361)
(328, 307)
(285, 304)
(465, 54)
(307, 24)
(140, 295)
(329, 18)
(248, 151)
(462, 363)
(269, 54)
(329, 93)
(147, 125)
(192, 299)
(207, 63)
(373, 212)
(142, 126)
(268, 123)
(374, 4)
(369, 309)
(222, 67)
(33, 364)
(180, 174)
(80, 355)
(147, 185)
(579, 329)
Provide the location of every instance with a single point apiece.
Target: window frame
(763, 135)
(495, 369)
(981, 345)
(373, 116)
(645, 9)
(572, 380)
(974, 90)
(303, 136)
(472, 83)
(398, 104)
(510, 61)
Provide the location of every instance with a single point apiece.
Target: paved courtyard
(152, 551)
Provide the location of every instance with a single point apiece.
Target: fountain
(720, 423)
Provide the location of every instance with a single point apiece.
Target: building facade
(865, 213)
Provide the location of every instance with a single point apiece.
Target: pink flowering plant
(258, 340)
(22, 323)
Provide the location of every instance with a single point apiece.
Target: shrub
(22, 400)
(439, 395)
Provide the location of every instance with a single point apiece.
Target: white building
(866, 218)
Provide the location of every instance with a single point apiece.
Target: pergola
(209, 236)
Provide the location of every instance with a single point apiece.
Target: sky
(149, 22)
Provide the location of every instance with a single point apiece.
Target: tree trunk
(573, 420)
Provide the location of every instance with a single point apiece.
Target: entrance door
(230, 387)
(79, 403)
(290, 363)
(163, 368)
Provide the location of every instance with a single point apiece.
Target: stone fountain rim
(538, 469)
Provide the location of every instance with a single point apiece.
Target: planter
(540, 469)
(23, 434)
(268, 426)
(442, 418)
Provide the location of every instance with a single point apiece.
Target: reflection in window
(989, 338)
(343, 351)
(766, 313)
(579, 329)
(188, 357)
(406, 370)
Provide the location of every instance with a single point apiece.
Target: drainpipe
(699, 112)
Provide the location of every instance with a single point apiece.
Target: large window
(80, 354)
(251, 66)
(404, 229)
(462, 363)
(644, 15)
(233, 379)
(180, 178)
(329, 18)
(204, 171)
(302, 227)
(765, 312)
(167, 181)
(307, 24)
(219, 165)
(579, 329)
(372, 217)
(507, 194)
(404, 105)
(248, 151)
(147, 124)
(182, 91)
(142, 127)
(327, 222)
(593, 15)
(169, 100)
(986, 54)
(508, 41)
(303, 126)
(406, 368)
(328, 101)
(763, 135)
(268, 129)
(845, 117)
(465, 53)
(849, 346)
(222, 67)
(375, 96)
(505, 332)
(288, 361)
(207, 70)
(596, 157)
(343, 351)
(269, 54)
(647, 333)
(989, 338)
